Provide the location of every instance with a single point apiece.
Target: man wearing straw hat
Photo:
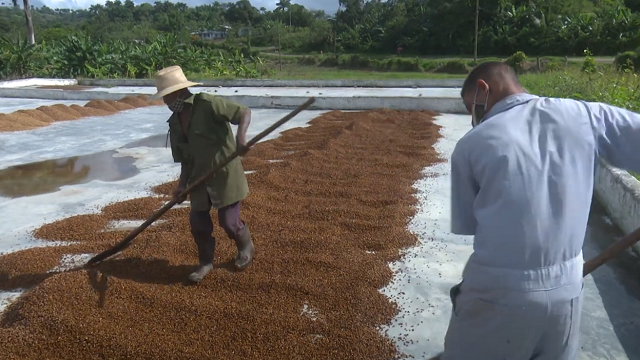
(201, 138)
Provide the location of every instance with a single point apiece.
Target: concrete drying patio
(610, 318)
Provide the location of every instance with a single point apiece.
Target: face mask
(177, 105)
(478, 111)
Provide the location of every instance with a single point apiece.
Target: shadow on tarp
(146, 271)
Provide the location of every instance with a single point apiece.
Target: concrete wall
(36, 82)
(415, 83)
(418, 83)
(619, 193)
(442, 105)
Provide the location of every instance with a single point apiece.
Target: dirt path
(326, 222)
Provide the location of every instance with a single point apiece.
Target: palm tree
(281, 6)
(27, 17)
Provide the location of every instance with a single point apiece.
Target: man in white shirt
(522, 182)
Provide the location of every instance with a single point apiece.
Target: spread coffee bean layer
(326, 221)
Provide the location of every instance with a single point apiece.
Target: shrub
(552, 66)
(453, 67)
(309, 60)
(330, 61)
(357, 62)
(430, 65)
(626, 61)
(589, 64)
(402, 64)
(517, 61)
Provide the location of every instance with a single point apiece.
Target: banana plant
(83, 56)
(17, 57)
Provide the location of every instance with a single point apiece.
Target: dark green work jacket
(210, 140)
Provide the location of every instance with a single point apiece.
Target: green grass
(271, 55)
(605, 84)
(380, 67)
(313, 73)
(297, 72)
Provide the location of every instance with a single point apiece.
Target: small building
(211, 34)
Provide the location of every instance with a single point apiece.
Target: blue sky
(329, 6)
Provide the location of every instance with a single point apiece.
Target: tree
(422, 27)
(284, 5)
(27, 17)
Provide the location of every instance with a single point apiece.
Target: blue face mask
(478, 111)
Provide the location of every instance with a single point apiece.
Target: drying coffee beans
(327, 217)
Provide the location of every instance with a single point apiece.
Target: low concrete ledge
(417, 83)
(442, 104)
(619, 193)
(12, 84)
(52, 94)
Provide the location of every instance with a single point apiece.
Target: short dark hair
(490, 69)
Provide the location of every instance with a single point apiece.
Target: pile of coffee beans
(45, 115)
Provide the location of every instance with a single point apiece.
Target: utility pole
(475, 47)
(335, 43)
(249, 38)
(279, 49)
(334, 36)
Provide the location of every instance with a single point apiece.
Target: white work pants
(514, 325)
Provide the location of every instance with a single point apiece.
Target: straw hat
(169, 80)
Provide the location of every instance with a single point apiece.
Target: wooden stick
(611, 252)
(239, 152)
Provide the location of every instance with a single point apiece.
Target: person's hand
(176, 194)
(241, 145)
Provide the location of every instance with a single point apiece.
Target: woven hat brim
(171, 89)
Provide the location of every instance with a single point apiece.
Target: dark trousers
(202, 229)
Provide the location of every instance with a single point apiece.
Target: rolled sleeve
(464, 190)
(227, 110)
(617, 135)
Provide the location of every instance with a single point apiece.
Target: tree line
(420, 27)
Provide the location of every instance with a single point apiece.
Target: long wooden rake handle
(239, 152)
(611, 252)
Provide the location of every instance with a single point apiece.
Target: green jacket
(210, 141)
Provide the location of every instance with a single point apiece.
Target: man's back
(522, 184)
(535, 166)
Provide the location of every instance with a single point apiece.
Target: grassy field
(301, 72)
(568, 80)
(270, 53)
(356, 66)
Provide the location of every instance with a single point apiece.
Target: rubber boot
(206, 245)
(245, 250)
